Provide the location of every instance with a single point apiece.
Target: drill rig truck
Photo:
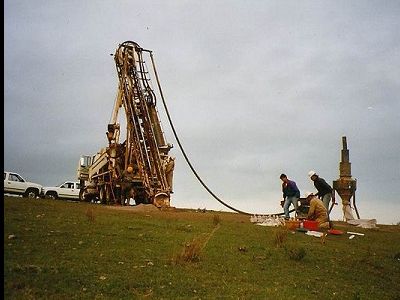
(144, 154)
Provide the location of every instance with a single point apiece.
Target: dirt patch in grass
(136, 208)
(182, 213)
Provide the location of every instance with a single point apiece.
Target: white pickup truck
(16, 184)
(66, 190)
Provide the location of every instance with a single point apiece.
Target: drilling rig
(139, 167)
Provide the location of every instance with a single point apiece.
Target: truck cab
(66, 190)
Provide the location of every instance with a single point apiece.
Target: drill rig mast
(144, 152)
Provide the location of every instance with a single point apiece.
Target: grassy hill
(57, 249)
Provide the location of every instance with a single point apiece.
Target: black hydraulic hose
(186, 157)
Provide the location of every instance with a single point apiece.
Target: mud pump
(139, 167)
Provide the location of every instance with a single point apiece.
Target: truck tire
(83, 197)
(31, 193)
(102, 195)
(52, 195)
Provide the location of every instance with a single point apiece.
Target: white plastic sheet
(264, 220)
(363, 223)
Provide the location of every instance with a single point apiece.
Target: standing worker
(291, 194)
(323, 188)
(127, 191)
(169, 165)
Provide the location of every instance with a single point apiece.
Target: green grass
(67, 250)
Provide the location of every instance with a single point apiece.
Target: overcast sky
(254, 88)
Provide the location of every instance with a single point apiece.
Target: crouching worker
(317, 211)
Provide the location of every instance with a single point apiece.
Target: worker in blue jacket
(291, 194)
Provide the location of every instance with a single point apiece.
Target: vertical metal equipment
(346, 186)
(141, 162)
